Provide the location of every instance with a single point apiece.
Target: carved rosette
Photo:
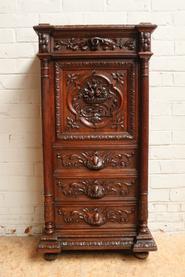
(95, 160)
(94, 44)
(95, 188)
(95, 216)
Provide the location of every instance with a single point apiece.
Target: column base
(144, 243)
(49, 244)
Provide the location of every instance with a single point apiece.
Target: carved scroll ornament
(95, 188)
(94, 43)
(95, 160)
(95, 216)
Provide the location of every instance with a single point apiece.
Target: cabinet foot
(50, 256)
(141, 255)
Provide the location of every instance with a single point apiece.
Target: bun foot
(141, 255)
(50, 256)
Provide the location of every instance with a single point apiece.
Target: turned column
(145, 53)
(47, 126)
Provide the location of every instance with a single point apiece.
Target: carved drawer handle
(96, 191)
(95, 218)
(94, 162)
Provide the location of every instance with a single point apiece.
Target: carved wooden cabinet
(95, 84)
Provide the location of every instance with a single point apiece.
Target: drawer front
(93, 161)
(99, 216)
(83, 189)
(84, 42)
(96, 100)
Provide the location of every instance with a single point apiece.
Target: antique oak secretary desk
(95, 85)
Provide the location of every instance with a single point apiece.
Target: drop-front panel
(94, 85)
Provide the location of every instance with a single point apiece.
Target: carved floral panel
(95, 101)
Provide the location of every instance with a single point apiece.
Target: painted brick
(17, 96)
(23, 198)
(167, 152)
(18, 125)
(106, 18)
(178, 108)
(162, 207)
(22, 81)
(174, 207)
(167, 226)
(122, 5)
(167, 180)
(168, 122)
(18, 155)
(179, 47)
(8, 6)
(15, 50)
(26, 35)
(177, 194)
(170, 217)
(35, 6)
(16, 169)
(170, 63)
(7, 66)
(172, 166)
(38, 169)
(66, 18)
(169, 33)
(179, 18)
(166, 5)
(160, 137)
(83, 5)
(160, 108)
(25, 139)
(21, 183)
(18, 20)
(179, 78)
(19, 111)
(162, 79)
(163, 47)
(27, 65)
(167, 93)
(7, 35)
(178, 137)
(154, 166)
(159, 18)
(159, 195)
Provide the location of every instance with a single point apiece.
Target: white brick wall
(21, 184)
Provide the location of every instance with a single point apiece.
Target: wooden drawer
(93, 161)
(82, 42)
(83, 189)
(88, 216)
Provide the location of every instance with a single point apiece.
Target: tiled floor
(18, 258)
